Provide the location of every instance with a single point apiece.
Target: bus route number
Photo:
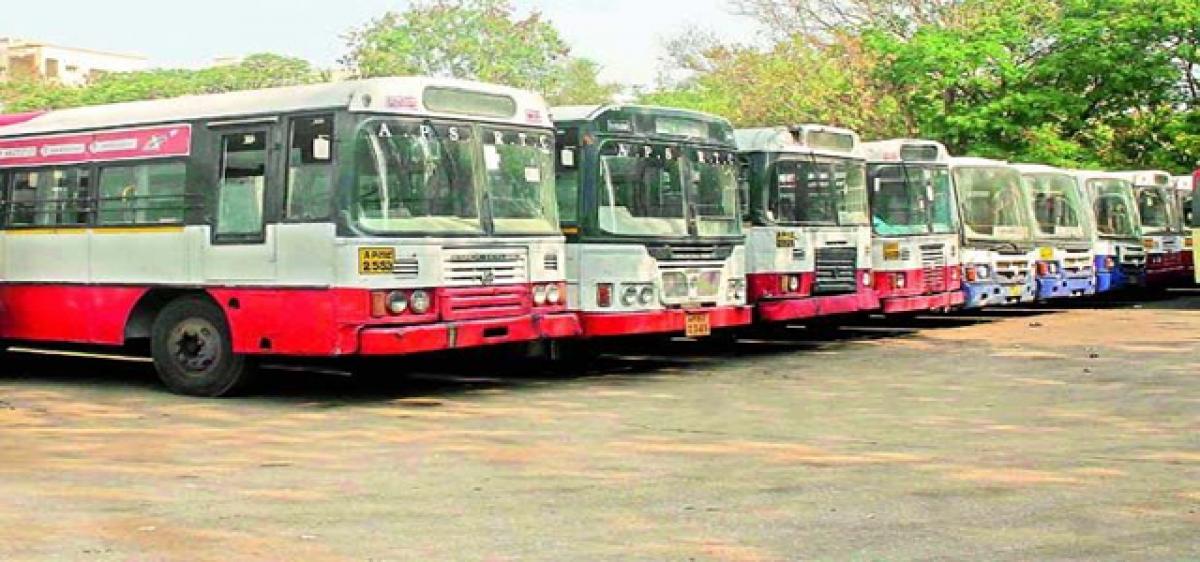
(376, 261)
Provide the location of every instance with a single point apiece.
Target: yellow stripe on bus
(139, 229)
(170, 228)
(35, 231)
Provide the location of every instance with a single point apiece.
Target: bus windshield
(520, 180)
(424, 177)
(416, 177)
(657, 189)
(1058, 205)
(715, 189)
(1153, 208)
(912, 199)
(1114, 207)
(641, 190)
(994, 205)
(828, 191)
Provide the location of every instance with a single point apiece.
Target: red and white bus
(1163, 233)
(915, 226)
(808, 243)
(376, 217)
(649, 204)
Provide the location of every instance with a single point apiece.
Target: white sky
(623, 35)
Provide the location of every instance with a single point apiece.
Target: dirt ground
(1013, 435)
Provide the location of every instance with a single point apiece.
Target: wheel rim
(195, 346)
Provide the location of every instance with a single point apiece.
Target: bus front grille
(933, 262)
(485, 267)
(837, 271)
(475, 303)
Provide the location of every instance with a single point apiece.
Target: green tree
(478, 40)
(255, 71)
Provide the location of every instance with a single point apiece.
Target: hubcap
(195, 345)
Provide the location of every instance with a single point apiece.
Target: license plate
(1015, 291)
(697, 326)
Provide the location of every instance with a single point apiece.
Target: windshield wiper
(1002, 245)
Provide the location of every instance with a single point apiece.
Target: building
(24, 59)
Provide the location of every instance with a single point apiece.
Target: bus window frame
(218, 131)
(334, 164)
(7, 177)
(192, 201)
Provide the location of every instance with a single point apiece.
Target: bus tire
(193, 351)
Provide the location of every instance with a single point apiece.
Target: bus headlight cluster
(635, 294)
(737, 290)
(550, 294)
(789, 283)
(399, 302)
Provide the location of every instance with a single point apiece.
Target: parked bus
(809, 239)
(914, 222)
(1162, 227)
(1065, 232)
(375, 218)
(998, 231)
(649, 204)
(1120, 257)
(1184, 188)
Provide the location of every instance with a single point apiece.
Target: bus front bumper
(991, 293)
(922, 303)
(474, 333)
(673, 321)
(783, 310)
(1057, 287)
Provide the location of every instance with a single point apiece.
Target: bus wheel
(193, 351)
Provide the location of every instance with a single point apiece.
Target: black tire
(193, 350)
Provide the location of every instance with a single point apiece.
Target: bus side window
(567, 156)
(49, 197)
(142, 194)
(310, 169)
(243, 184)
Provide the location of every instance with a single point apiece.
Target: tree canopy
(476, 39)
(1092, 83)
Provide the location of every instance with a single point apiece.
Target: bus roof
(972, 161)
(398, 95)
(1148, 178)
(648, 120)
(1042, 169)
(1183, 183)
(901, 150)
(800, 139)
(1086, 175)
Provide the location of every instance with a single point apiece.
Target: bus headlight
(737, 290)
(793, 283)
(629, 295)
(866, 279)
(646, 296)
(554, 294)
(540, 293)
(420, 301)
(982, 272)
(397, 302)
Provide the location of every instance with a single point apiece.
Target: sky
(625, 36)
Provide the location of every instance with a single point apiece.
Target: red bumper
(474, 333)
(600, 324)
(922, 303)
(812, 307)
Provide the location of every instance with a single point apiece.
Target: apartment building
(24, 59)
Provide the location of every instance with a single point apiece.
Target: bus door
(245, 199)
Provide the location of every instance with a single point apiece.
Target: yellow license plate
(376, 261)
(1046, 253)
(697, 326)
(1015, 291)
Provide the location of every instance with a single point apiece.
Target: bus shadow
(624, 361)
